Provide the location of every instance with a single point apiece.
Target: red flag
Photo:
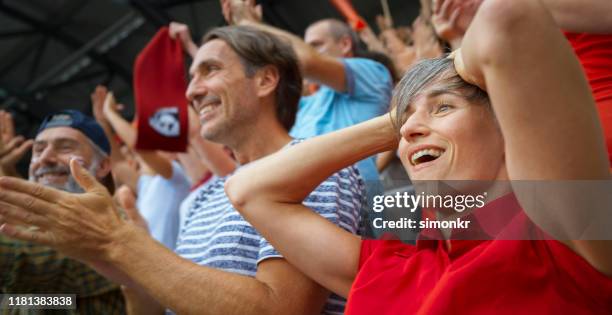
(159, 90)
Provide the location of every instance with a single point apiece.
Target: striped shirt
(216, 235)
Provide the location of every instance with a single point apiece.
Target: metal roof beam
(81, 58)
(67, 39)
(155, 16)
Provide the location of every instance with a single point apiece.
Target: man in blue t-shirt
(364, 93)
(360, 89)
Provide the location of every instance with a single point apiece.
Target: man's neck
(264, 138)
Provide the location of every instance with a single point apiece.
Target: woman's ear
(266, 79)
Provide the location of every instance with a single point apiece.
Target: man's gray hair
(98, 154)
(339, 29)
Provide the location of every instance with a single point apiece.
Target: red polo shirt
(478, 277)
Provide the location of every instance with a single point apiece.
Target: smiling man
(245, 86)
(26, 267)
(351, 90)
(65, 135)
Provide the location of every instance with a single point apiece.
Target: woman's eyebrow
(442, 90)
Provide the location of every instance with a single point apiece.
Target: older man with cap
(30, 268)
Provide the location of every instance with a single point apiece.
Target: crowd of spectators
(264, 211)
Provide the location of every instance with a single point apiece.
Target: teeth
(206, 109)
(432, 152)
(53, 174)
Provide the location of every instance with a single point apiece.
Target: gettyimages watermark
(491, 210)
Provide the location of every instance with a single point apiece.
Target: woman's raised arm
(547, 116)
(270, 191)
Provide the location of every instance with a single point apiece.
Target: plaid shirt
(30, 268)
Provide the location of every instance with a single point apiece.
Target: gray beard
(71, 185)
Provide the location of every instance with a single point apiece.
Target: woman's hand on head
(468, 73)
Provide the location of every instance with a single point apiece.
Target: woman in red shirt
(538, 122)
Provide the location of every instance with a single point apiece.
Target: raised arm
(452, 17)
(368, 36)
(591, 16)
(315, 66)
(126, 132)
(546, 112)
(539, 112)
(181, 32)
(98, 97)
(269, 194)
(12, 147)
(122, 170)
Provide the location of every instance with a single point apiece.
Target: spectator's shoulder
(368, 78)
(364, 64)
(213, 186)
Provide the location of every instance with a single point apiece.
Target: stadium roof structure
(53, 53)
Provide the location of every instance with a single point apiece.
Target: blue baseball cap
(79, 121)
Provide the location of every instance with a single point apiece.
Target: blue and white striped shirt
(216, 235)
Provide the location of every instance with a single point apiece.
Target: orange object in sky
(353, 18)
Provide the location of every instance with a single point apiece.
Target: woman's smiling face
(448, 134)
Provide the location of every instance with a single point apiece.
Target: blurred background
(54, 53)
